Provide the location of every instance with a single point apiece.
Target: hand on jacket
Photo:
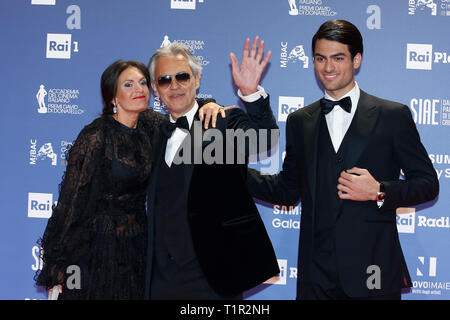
(357, 184)
(209, 112)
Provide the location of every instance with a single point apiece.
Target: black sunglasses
(181, 78)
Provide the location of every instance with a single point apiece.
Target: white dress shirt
(339, 120)
(178, 135)
(254, 96)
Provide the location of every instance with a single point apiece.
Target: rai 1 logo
(406, 218)
(60, 45)
(295, 55)
(287, 105)
(40, 205)
(421, 56)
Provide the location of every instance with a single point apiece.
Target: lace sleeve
(60, 244)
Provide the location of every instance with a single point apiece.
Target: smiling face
(179, 98)
(335, 67)
(132, 93)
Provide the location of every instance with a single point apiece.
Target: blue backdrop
(54, 51)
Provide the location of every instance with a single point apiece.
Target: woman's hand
(209, 113)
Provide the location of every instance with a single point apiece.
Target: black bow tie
(328, 105)
(168, 127)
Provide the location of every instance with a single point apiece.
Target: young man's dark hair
(341, 31)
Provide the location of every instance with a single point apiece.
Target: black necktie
(168, 127)
(328, 105)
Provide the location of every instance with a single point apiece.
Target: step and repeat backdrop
(54, 52)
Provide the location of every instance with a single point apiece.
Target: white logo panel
(287, 105)
(58, 46)
(406, 218)
(40, 205)
(419, 56)
(44, 2)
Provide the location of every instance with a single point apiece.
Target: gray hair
(174, 49)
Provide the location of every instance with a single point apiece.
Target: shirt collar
(189, 115)
(353, 94)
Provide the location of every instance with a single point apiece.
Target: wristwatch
(381, 195)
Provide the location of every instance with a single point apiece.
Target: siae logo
(425, 111)
(287, 105)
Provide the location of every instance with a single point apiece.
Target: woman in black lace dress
(95, 242)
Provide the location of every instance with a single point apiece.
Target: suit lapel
(159, 142)
(196, 149)
(362, 125)
(310, 136)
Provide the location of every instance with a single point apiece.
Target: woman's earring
(114, 108)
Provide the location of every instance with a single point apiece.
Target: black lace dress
(99, 223)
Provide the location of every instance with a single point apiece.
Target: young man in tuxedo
(344, 154)
(206, 238)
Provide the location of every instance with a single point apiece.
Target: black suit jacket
(383, 141)
(229, 237)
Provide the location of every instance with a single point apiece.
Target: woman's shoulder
(151, 117)
(94, 131)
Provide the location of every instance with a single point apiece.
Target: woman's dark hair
(341, 31)
(110, 76)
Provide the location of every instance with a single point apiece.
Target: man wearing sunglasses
(203, 245)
